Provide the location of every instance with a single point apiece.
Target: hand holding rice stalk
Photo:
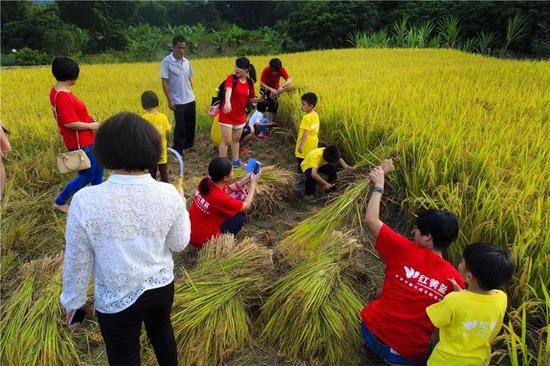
(308, 237)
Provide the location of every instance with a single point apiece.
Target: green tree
(328, 24)
(105, 20)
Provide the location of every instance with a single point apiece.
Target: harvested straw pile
(210, 311)
(307, 238)
(313, 310)
(275, 187)
(32, 330)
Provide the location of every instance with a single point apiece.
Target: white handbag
(71, 161)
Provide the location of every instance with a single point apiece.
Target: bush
(29, 57)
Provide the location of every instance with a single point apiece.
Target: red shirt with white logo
(272, 79)
(208, 212)
(71, 109)
(415, 278)
(240, 95)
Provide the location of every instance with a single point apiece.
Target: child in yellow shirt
(470, 319)
(308, 135)
(321, 160)
(150, 102)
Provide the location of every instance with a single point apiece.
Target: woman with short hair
(76, 126)
(123, 232)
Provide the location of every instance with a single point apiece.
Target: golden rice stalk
(209, 316)
(313, 311)
(305, 239)
(32, 329)
(276, 186)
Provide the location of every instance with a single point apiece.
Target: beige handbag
(71, 161)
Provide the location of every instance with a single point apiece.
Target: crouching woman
(216, 209)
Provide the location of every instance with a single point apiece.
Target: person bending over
(214, 211)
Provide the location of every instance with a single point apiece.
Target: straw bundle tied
(307, 238)
(210, 311)
(313, 311)
(32, 331)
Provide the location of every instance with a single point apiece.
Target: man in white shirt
(176, 73)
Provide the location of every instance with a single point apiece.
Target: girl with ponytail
(214, 211)
(239, 91)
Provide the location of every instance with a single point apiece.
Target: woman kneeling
(216, 207)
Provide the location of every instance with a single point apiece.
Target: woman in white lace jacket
(123, 232)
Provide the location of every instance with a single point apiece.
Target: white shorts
(233, 127)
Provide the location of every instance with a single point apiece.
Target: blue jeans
(93, 176)
(389, 355)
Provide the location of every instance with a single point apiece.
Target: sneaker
(299, 183)
(243, 152)
(237, 164)
(262, 136)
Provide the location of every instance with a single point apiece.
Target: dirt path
(279, 151)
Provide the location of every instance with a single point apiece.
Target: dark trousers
(163, 169)
(233, 224)
(121, 330)
(184, 132)
(298, 163)
(311, 183)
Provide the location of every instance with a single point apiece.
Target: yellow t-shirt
(468, 323)
(314, 159)
(310, 122)
(160, 121)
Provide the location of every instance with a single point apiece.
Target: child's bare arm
(343, 164)
(303, 141)
(315, 175)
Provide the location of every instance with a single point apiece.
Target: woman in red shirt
(75, 125)
(396, 325)
(239, 91)
(213, 211)
(270, 86)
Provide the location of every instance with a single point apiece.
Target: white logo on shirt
(411, 273)
(424, 284)
(477, 328)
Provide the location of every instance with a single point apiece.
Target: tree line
(113, 31)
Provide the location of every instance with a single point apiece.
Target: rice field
(466, 133)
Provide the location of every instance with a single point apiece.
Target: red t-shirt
(272, 79)
(207, 213)
(239, 102)
(415, 278)
(71, 109)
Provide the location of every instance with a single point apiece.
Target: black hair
(127, 141)
(442, 225)
(149, 100)
(261, 107)
(65, 68)
(244, 63)
(275, 64)
(310, 98)
(331, 154)
(178, 39)
(492, 266)
(218, 169)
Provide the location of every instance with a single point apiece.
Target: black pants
(311, 183)
(184, 132)
(233, 224)
(163, 169)
(121, 330)
(299, 163)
